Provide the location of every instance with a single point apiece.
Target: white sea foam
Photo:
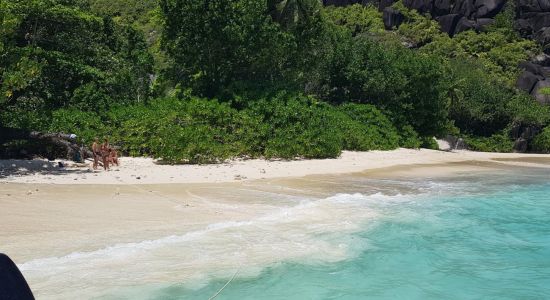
(311, 231)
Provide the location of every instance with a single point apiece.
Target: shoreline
(146, 171)
(103, 232)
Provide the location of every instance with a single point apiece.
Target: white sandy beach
(146, 171)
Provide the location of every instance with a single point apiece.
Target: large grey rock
(385, 3)
(392, 18)
(537, 20)
(441, 7)
(482, 23)
(524, 6)
(543, 38)
(526, 81)
(542, 59)
(531, 75)
(543, 99)
(455, 143)
(448, 23)
(488, 8)
(531, 67)
(521, 145)
(464, 24)
(527, 132)
(464, 7)
(523, 26)
(523, 135)
(422, 6)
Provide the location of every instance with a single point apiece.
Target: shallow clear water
(476, 237)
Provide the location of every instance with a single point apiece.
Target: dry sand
(146, 171)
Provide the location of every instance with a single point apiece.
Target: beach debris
(239, 177)
(262, 171)
(138, 177)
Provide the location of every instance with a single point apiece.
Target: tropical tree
(56, 54)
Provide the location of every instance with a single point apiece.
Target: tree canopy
(198, 81)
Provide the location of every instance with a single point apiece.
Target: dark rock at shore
(523, 135)
(455, 143)
(543, 38)
(521, 145)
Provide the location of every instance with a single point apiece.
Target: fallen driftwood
(49, 145)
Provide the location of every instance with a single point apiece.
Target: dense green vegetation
(196, 81)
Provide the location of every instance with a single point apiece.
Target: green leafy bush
(356, 18)
(541, 143)
(429, 143)
(299, 127)
(417, 29)
(86, 125)
(499, 142)
(408, 138)
(364, 128)
(499, 52)
(188, 131)
(410, 87)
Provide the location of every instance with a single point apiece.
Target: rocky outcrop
(531, 75)
(536, 76)
(542, 98)
(523, 135)
(455, 16)
(451, 142)
(392, 18)
(532, 16)
(449, 22)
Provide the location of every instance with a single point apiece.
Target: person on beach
(96, 152)
(105, 154)
(113, 156)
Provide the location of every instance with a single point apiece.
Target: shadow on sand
(18, 167)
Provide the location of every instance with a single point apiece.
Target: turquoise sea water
(475, 237)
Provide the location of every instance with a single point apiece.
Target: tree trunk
(50, 145)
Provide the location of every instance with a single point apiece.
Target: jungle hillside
(197, 81)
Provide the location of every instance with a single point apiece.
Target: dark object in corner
(13, 285)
